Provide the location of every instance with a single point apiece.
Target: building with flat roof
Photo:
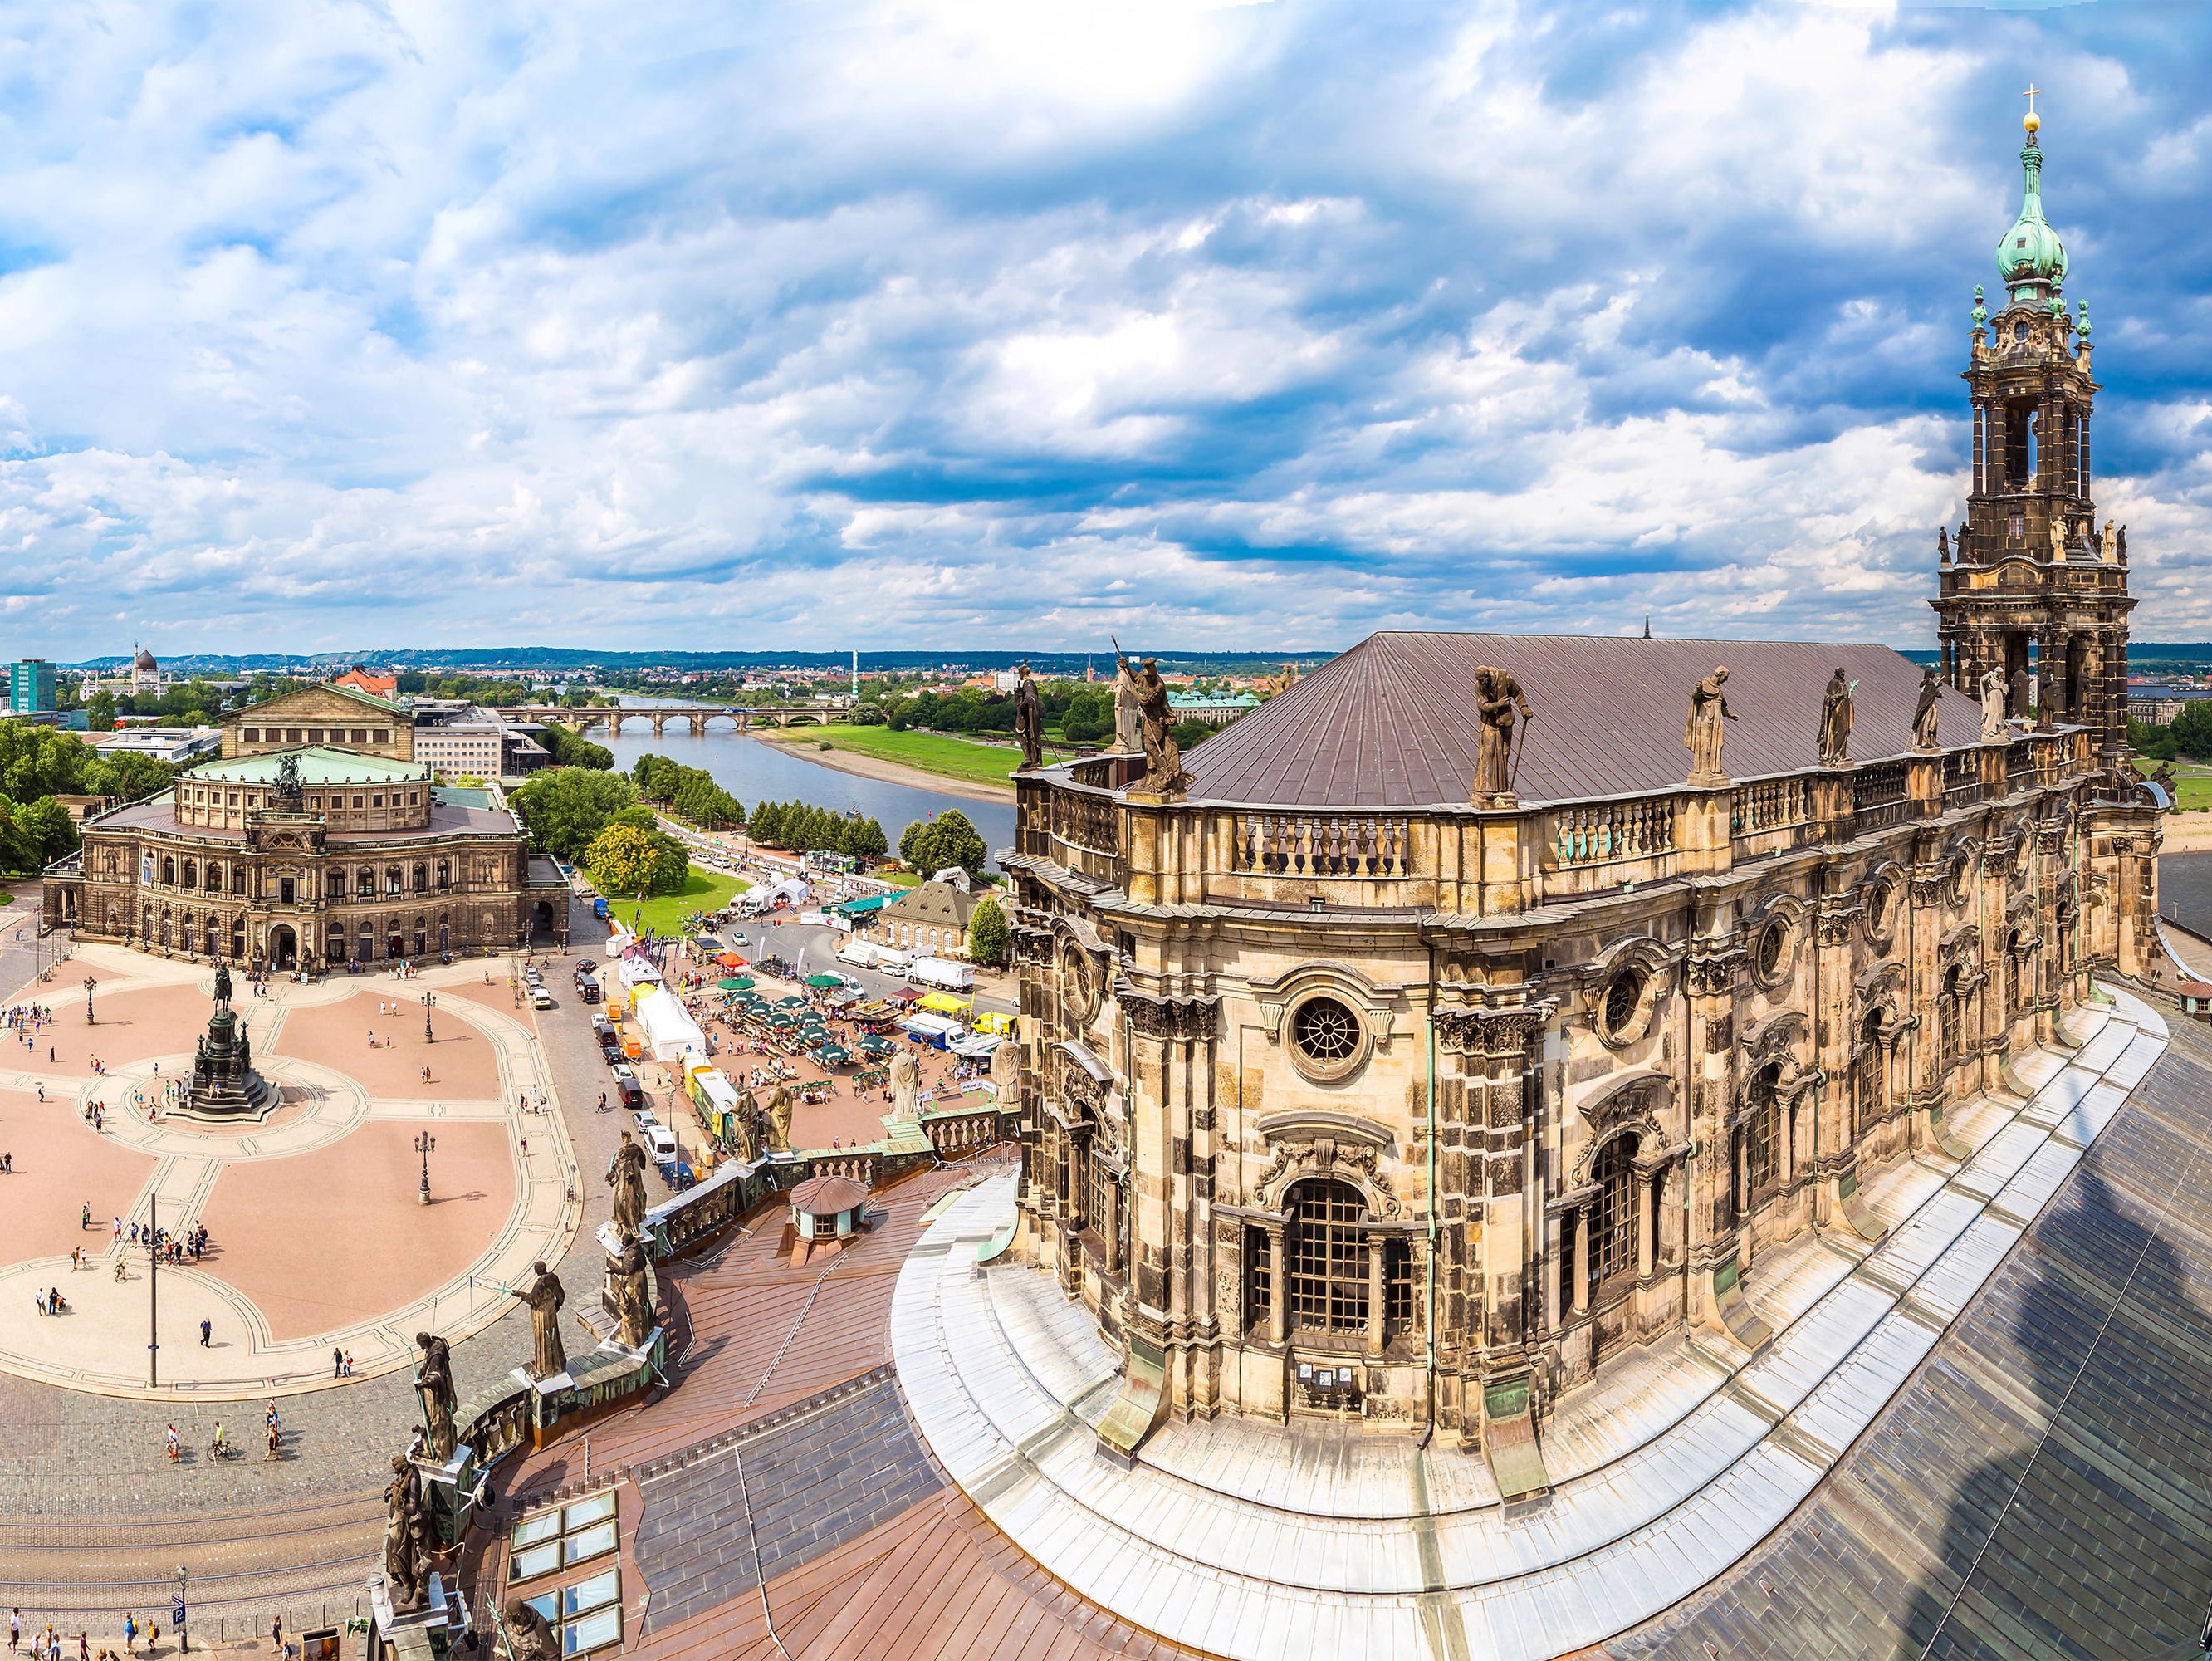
(31, 686)
(173, 745)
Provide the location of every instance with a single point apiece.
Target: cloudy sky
(737, 327)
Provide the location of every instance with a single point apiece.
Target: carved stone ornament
(1832, 923)
(1492, 1032)
(1772, 1039)
(1298, 1157)
(1713, 974)
(1169, 1018)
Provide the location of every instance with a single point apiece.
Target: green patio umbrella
(781, 1017)
(794, 1002)
(874, 1045)
(824, 983)
(734, 983)
(833, 1055)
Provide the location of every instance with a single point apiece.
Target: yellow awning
(943, 1003)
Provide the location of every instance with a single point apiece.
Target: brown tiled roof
(1392, 723)
(826, 1196)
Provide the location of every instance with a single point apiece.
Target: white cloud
(1013, 324)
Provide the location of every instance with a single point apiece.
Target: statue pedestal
(225, 1088)
(549, 1398)
(448, 1492)
(428, 1634)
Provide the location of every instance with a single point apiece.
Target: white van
(660, 1142)
(942, 972)
(861, 954)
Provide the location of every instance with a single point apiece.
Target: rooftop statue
(1836, 721)
(1925, 711)
(1029, 721)
(288, 782)
(1497, 699)
(1163, 774)
(1702, 735)
(626, 1176)
(434, 1382)
(1993, 705)
(549, 1356)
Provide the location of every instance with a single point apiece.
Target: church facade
(1357, 1091)
(315, 842)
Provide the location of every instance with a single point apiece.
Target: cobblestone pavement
(73, 1457)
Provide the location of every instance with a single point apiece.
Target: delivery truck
(942, 972)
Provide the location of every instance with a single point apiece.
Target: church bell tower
(2033, 588)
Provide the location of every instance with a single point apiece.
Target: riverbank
(803, 743)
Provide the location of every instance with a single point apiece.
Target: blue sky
(732, 328)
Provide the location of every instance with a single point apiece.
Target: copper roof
(826, 1196)
(1392, 723)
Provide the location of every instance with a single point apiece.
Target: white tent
(669, 1029)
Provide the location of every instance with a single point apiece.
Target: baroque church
(1377, 1078)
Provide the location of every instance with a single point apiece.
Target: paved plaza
(317, 1239)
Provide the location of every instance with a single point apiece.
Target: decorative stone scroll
(1494, 1033)
(1323, 1144)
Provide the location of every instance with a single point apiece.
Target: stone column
(1279, 1285)
(1647, 1222)
(1582, 1216)
(1377, 1288)
(1554, 1248)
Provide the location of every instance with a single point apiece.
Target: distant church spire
(1647, 625)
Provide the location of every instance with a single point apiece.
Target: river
(753, 771)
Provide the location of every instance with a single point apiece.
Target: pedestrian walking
(85, 1219)
(207, 1329)
(14, 1630)
(337, 1363)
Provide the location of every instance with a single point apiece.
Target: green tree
(567, 807)
(46, 829)
(99, 714)
(1189, 734)
(132, 777)
(942, 840)
(987, 937)
(570, 748)
(869, 713)
(766, 825)
(864, 840)
(625, 860)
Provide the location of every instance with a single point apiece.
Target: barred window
(1259, 1278)
(1398, 1285)
(1613, 1214)
(1098, 1192)
(1951, 1010)
(1762, 1135)
(1873, 1077)
(1328, 1258)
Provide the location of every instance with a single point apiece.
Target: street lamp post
(178, 1615)
(89, 984)
(428, 1001)
(426, 1145)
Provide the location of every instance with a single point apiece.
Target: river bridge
(694, 717)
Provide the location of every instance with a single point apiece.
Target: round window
(1878, 905)
(1078, 1000)
(1771, 941)
(1624, 996)
(1325, 1035)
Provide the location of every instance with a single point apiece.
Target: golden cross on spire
(2032, 90)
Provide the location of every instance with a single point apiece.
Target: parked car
(584, 965)
(609, 1046)
(627, 1090)
(589, 989)
(541, 999)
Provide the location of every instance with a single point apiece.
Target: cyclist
(218, 1447)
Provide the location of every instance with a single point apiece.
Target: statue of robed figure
(780, 1107)
(406, 1540)
(1498, 700)
(628, 1299)
(530, 1636)
(1029, 721)
(1704, 734)
(549, 1356)
(626, 1176)
(222, 982)
(433, 1382)
(1993, 705)
(905, 1088)
(1926, 711)
(1128, 726)
(1836, 721)
(1163, 774)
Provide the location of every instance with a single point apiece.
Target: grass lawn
(931, 752)
(663, 914)
(2192, 784)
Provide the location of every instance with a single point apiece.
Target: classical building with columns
(315, 841)
(1356, 1092)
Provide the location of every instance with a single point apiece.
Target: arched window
(1327, 1258)
(186, 938)
(392, 880)
(1950, 1015)
(334, 883)
(1759, 1138)
(1613, 1212)
(238, 880)
(445, 873)
(337, 950)
(1871, 1083)
(191, 878)
(421, 879)
(168, 872)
